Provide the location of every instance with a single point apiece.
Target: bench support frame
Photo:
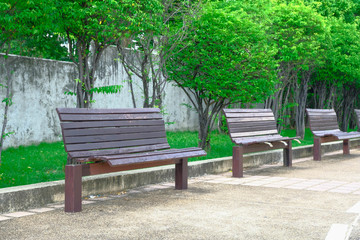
(319, 140)
(240, 150)
(74, 174)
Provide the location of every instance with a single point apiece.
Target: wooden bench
(323, 124)
(254, 130)
(109, 140)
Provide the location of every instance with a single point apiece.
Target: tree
(225, 59)
(144, 54)
(297, 30)
(343, 61)
(17, 19)
(90, 27)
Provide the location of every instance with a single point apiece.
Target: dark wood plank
(113, 137)
(253, 133)
(260, 139)
(97, 124)
(107, 111)
(112, 130)
(115, 162)
(323, 128)
(248, 127)
(313, 110)
(109, 145)
(154, 153)
(252, 124)
(108, 117)
(245, 110)
(86, 154)
(238, 120)
(249, 115)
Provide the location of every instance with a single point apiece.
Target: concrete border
(37, 195)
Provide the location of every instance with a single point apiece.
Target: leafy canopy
(227, 56)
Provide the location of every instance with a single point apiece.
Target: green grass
(32, 164)
(46, 161)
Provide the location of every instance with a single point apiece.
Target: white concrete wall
(39, 86)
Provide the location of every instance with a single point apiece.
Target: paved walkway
(311, 200)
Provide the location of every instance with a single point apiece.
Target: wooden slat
(108, 145)
(108, 117)
(154, 153)
(86, 154)
(323, 127)
(125, 161)
(251, 129)
(249, 115)
(348, 135)
(79, 125)
(260, 139)
(113, 137)
(313, 110)
(253, 133)
(234, 120)
(248, 127)
(107, 111)
(245, 110)
(112, 130)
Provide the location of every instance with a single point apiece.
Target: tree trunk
(301, 96)
(349, 94)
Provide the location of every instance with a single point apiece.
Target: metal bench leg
(73, 174)
(317, 149)
(287, 154)
(237, 161)
(346, 147)
(181, 174)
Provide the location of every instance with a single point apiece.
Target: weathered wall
(38, 88)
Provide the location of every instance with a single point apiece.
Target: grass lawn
(46, 161)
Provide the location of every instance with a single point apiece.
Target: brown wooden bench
(254, 130)
(323, 124)
(109, 140)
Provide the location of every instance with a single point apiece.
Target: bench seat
(337, 133)
(109, 140)
(323, 124)
(170, 154)
(254, 130)
(261, 139)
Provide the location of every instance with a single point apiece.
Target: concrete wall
(39, 85)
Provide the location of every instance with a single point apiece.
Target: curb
(40, 194)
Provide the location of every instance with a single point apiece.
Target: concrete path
(311, 200)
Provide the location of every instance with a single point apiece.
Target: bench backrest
(322, 119)
(250, 122)
(94, 132)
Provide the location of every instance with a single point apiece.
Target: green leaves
(227, 56)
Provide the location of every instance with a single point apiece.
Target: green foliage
(225, 57)
(111, 89)
(343, 48)
(345, 9)
(297, 30)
